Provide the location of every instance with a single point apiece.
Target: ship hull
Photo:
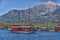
(21, 31)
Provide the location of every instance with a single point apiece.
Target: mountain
(44, 12)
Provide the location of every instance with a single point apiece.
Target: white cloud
(58, 4)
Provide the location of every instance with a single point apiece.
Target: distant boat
(57, 28)
(44, 29)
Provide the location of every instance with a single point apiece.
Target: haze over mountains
(44, 12)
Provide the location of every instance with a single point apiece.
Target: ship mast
(18, 16)
(29, 16)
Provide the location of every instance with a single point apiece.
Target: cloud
(58, 4)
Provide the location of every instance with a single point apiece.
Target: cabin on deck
(20, 26)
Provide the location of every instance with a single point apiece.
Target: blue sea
(38, 35)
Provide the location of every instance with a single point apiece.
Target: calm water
(38, 35)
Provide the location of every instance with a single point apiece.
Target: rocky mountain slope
(44, 12)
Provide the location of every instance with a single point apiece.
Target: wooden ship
(28, 28)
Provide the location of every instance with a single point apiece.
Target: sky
(6, 5)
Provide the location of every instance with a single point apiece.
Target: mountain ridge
(38, 14)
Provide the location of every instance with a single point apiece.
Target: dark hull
(22, 31)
